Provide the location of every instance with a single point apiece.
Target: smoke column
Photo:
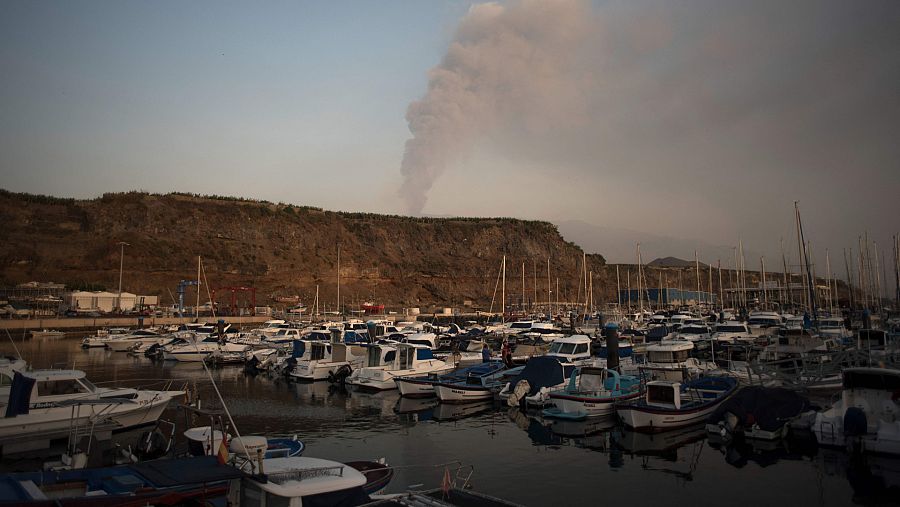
(506, 65)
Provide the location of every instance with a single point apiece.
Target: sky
(697, 121)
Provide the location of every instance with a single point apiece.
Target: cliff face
(282, 250)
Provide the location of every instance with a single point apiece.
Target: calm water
(516, 456)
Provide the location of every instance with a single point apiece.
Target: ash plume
(507, 64)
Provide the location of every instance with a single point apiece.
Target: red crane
(233, 308)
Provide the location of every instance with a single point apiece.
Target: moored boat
(592, 392)
(669, 404)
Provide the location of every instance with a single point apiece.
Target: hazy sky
(697, 119)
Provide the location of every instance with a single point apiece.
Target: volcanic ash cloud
(508, 66)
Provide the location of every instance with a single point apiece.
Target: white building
(106, 302)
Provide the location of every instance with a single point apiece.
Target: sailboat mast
(640, 291)
(762, 266)
(339, 279)
(503, 293)
(721, 294)
(197, 307)
(618, 288)
(697, 267)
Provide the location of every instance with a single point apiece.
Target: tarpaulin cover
(541, 371)
(768, 407)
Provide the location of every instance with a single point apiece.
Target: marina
(509, 448)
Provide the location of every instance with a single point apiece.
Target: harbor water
(517, 456)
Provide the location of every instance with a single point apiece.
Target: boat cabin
(380, 356)
(675, 352)
(571, 348)
(298, 481)
(409, 355)
(664, 393)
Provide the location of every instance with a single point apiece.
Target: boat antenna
(13, 344)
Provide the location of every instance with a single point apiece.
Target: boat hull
(582, 407)
(450, 393)
(415, 388)
(651, 419)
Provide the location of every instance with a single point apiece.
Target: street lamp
(122, 246)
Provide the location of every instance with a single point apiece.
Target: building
(108, 302)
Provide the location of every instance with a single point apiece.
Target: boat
(48, 333)
(866, 418)
(44, 402)
(325, 359)
(669, 404)
(733, 331)
(533, 385)
(423, 386)
(671, 360)
(102, 336)
(135, 339)
(479, 383)
(194, 348)
(408, 361)
(574, 349)
(757, 412)
(592, 392)
(170, 482)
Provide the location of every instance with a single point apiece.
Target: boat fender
(855, 423)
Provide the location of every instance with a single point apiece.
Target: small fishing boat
(479, 383)
(423, 386)
(669, 404)
(592, 392)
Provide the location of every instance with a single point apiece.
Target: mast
(787, 283)
(805, 257)
(503, 293)
(549, 292)
(587, 297)
(697, 265)
(640, 292)
(877, 277)
(523, 288)
(197, 306)
(805, 299)
(849, 279)
(710, 294)
(721, 293)
(618, 288)
(762, 265)
(828, 281)
(339, 279)
(534, 272)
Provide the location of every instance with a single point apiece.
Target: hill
(280, 249)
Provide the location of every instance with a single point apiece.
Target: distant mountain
(618, 246)
(672, 262)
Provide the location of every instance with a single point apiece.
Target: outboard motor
(288, 366)
(855, 425)
(612, 346)
(251, 367)
(152, 445)
(340, 376)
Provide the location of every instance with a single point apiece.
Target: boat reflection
(456, 411)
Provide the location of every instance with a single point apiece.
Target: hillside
(280, 249)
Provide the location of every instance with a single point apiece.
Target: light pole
(122, 246)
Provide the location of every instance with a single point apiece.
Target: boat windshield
(520, 325)
(693, 330)
(562, 348)
(731, 329)
(663, 394)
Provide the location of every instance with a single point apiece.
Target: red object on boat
(373, 308)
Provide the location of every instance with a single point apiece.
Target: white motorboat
(191, 350)
(867, 416)
(671, 360)
(762, 323)
(575, 349)
(136, 339)
(732, 332)
(479, 383)
(42, 401)
(325, 358)
(407, 361)
(102, 336)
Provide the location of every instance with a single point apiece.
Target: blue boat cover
(422, 354)
(542, 371)
(19, 395)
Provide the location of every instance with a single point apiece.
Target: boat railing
(811, 368)
(306, 473)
